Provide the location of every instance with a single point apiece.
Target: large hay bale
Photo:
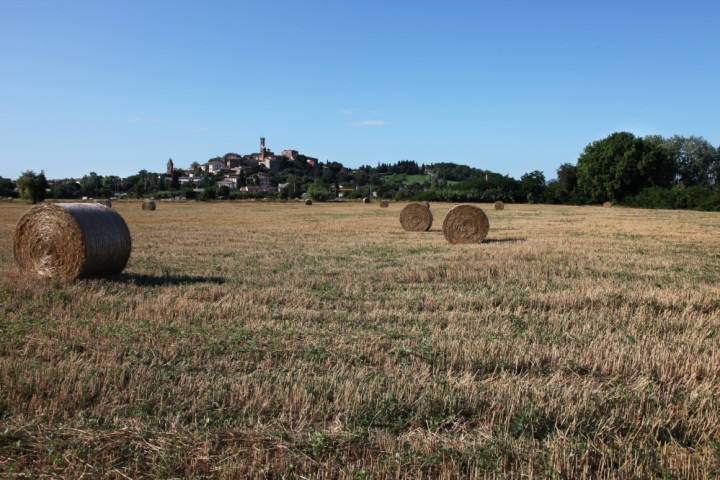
(466, 224)
(416, 217)
(148, 205)
(308, 202)
(384, 204)
(607, 205)
(366, 200)
(71, 240)
(499, 205)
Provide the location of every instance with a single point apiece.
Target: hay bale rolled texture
(607, 205)
(148, 205)
(71, 240)
(308, 202)
(499, 205)
(416, 217)
(466, 224)
(384, 204)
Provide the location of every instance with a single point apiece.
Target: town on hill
(650, 172)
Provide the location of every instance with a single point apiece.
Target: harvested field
(269, 340)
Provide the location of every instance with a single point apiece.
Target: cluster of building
(234, 166)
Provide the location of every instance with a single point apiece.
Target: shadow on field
(504, 240)
(160, 280)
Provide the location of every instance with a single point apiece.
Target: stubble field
(278, 340)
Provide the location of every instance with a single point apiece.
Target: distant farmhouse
(233, 166)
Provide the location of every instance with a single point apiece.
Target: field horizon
(279, 340)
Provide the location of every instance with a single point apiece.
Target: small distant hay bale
(107, 202)
(71, 240)
(148, 205)
(384, 204)
(607, 205)
(308, 202)
(466, 224)
(366, 200)
(416, 217)
(499, 205)
(427, 204)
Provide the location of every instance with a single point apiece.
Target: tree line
(650, 172)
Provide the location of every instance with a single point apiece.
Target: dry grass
(270, 340)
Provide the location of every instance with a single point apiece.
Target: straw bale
(416, 217)
(384, 204)
(308, 202)
(71, 240)
(148, 205)
(466, 224)
(107, 202)
(366, 200)
(607, 205)
(499, 205)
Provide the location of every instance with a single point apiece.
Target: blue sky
(513, 86)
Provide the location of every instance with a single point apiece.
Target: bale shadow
(505, 240)
(164, 280)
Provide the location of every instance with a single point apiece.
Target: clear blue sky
(510, 86)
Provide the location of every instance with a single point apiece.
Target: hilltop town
(233, 170)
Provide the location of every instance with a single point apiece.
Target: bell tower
(262, 149)
(170, 167)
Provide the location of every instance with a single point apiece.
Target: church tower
(170, 167)
(262, 149)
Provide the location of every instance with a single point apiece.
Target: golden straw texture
(466, 224)
(499, 205)
(416, 217)
(607, 205)
(384, 204)
(71, 240)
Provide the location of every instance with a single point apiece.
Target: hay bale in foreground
(416, 217)
(366, 200)
(607, 205)
(466, 224)
(148, 205)
(308, 202)
(71, 240)
(384, 204)
(499, 205)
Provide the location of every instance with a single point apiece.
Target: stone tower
(262, 149)
(170, 167)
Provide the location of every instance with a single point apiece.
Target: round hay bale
(71, 240)
(607, 205)
(416, 217)
(466, 224)
(148, 205)
(384, 204)
(366, 200)
(499, 205)
(308, 202)
(107, 202)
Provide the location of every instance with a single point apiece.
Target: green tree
(33, 187)
(532, 186)
(67, 188)
(621, 165)
(318, 191)
(566, 190)
(7, 188)
(695, 158)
